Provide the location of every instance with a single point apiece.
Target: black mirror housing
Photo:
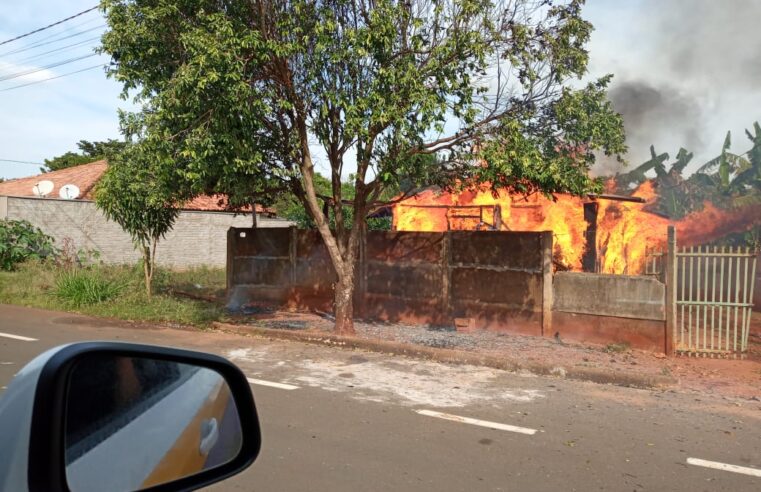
(46, 461)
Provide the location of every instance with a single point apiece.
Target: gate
(711, 298)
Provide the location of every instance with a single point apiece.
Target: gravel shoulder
(613, 363)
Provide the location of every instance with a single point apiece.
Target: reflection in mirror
(132, 423)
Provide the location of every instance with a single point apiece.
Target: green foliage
(232, 90)
(34, 284)
(84, 287)
(728, 180)
(288, 206)
(20, 241)
(88, 152)
(133, 194)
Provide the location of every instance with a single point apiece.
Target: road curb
(451, 356)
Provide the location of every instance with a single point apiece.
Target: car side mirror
(115, 416)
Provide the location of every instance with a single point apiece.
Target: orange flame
(625, 230)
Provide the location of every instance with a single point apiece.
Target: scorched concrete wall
(495, 278)
(198, 238)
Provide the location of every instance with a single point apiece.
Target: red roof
(86, 176)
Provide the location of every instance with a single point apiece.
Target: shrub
(84, 287)
(21, 241)
(69, 256)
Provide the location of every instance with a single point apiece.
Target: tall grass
(115, 291)
(85, 287)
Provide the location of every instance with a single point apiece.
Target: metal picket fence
(709, 297)
(714, 298)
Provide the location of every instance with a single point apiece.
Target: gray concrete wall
(198, 238)
(596, 308)
(621, 296)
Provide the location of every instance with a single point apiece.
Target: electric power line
(46, 67)
(40, 55)
(53, 78)
(22, 162)
(37, 45)
(48, 26)
(69, 28)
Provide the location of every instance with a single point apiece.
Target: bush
(20, 241)
(84, 287)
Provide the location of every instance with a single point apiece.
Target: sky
(685, 72)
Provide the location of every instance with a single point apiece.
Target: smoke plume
(691, 72)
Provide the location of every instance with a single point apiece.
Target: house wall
(198, 238)
(496, 279)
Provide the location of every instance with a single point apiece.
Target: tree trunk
(344, 303)
(147, 269)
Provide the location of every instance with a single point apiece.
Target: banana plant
(747, 182)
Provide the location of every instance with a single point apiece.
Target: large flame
(624, 230)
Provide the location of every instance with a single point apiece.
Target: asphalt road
(343, 420)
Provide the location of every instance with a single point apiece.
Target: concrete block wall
(494, 278)
(600, 308)
(198, 238)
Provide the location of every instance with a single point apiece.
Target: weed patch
(115, 291)
(85, 287)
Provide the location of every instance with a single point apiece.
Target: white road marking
(18, 337)
(753, 472)
(262, 382)
(482, 423)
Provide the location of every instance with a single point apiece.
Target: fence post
(546, 247)
(671, 289)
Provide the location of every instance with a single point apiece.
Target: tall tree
(88, 152)
(230, 88)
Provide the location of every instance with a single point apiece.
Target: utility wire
(40, 69)
(48, 26)
(70, 28)
(22, 162)
(40, 55)
(37, 45)
(52, 78)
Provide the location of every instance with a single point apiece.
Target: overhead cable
(22, 162)
(52, 78)
(48, 26)
(40, 69)
(40, 55)
(37, 45)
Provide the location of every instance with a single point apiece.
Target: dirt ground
(727, 378)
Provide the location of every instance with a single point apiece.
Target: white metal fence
(709, 297)
(714, 298)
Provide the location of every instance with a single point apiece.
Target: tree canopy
(134, 196)
(236, 96)
(88, 152)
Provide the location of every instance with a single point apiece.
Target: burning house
(607, 233)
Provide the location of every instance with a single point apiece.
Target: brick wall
(198, 238)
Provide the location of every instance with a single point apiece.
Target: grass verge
(116, 292)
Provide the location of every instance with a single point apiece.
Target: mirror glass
(132, 423)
